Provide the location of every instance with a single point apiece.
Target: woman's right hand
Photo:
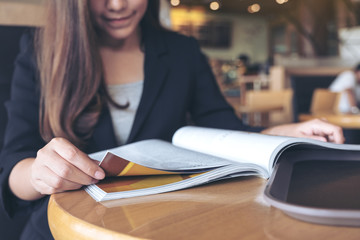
(60, 166)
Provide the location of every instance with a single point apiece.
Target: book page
(163, 155)
(132, 186)
(244, 147)
(114, 165)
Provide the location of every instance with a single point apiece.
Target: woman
(105, 74)
(348, 84)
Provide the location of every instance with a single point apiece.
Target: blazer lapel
(155, 71)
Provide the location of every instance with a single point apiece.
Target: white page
(163, 155)
(217, 174)
(233, 145)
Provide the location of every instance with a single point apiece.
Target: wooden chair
(267, 107)
(324, 104)
(325, 101)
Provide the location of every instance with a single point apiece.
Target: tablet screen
(325, 184)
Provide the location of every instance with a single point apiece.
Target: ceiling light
(254, 8)
(175, 3)
(214, 5)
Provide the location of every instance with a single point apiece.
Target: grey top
(123, 119)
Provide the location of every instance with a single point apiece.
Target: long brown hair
(71, 72)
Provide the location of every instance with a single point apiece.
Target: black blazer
(179, 86)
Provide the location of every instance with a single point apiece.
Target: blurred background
(274, 45)
(270, 29)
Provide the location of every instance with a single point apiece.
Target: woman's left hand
(316, 129)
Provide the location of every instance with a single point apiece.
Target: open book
(196, 156)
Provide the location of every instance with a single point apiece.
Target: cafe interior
(274, 60)
(269, 57)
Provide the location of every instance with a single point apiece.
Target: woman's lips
(118, 21)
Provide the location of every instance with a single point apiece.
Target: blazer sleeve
(209, 107)
(22, 139)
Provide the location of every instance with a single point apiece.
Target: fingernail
(99, 175)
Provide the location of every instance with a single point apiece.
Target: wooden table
(343, 120)
(231, 209)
